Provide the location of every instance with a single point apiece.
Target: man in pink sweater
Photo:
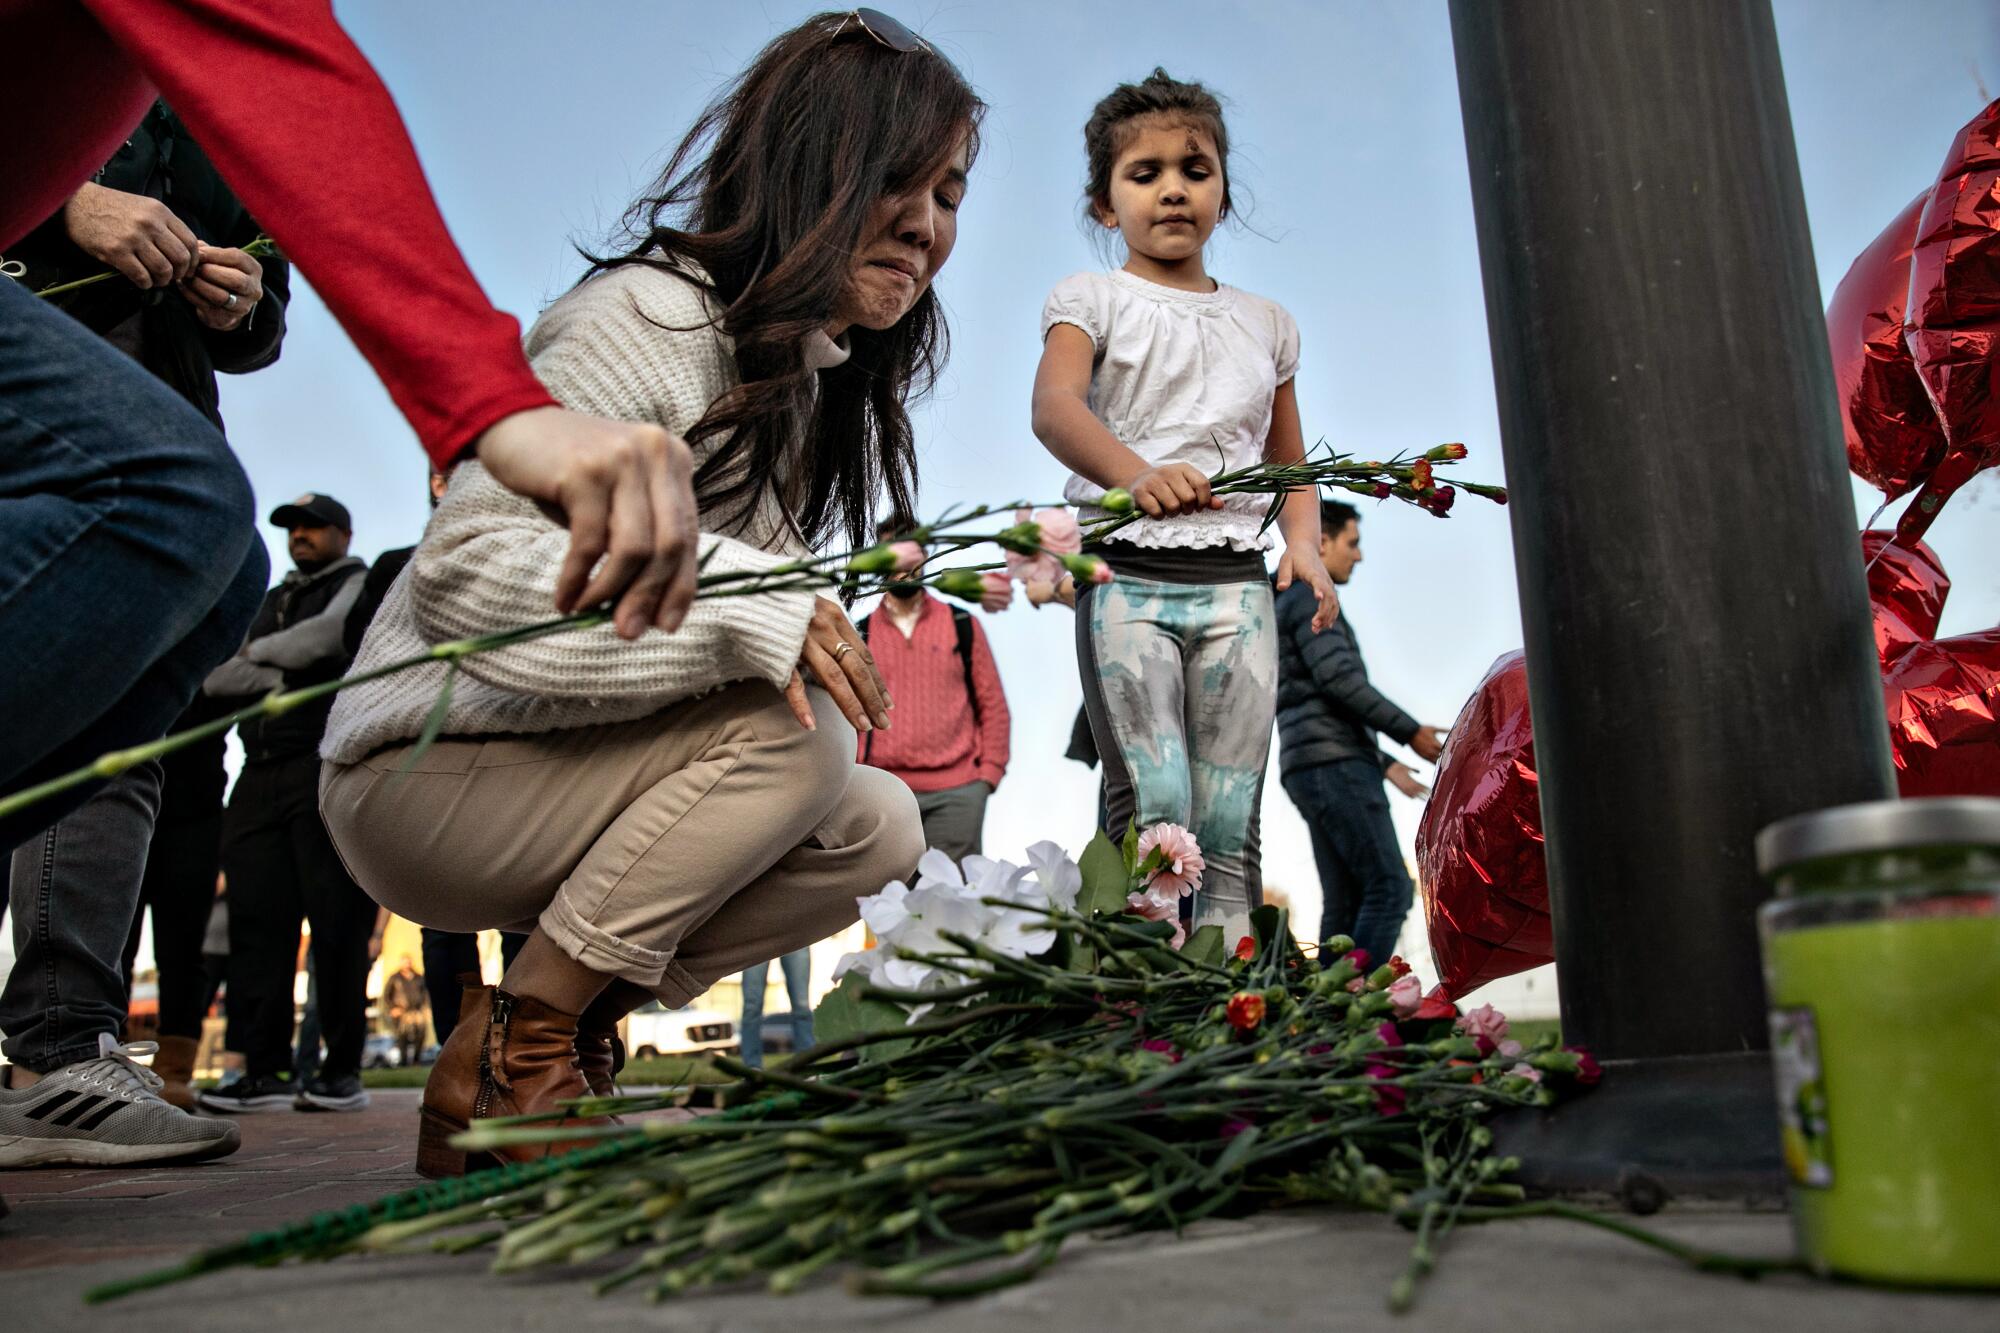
(949, 744)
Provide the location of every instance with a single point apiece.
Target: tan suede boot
(509, 1055)
(174, 1063)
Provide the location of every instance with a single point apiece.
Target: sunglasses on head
(889, 32)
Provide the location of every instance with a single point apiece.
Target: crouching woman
(664, 812)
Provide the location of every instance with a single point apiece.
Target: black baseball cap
(313, 511)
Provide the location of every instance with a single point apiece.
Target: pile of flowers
(1024, 1056)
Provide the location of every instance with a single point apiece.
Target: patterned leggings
(1180, 681)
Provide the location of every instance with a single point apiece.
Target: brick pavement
(291, 1164)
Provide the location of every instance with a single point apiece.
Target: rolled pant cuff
(677, 986)
(599, 950)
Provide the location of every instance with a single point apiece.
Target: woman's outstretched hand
(837, 657)
(626, 491)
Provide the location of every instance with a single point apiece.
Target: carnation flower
(1398, 966)
(1153, 907)
(1246, 948)
(1181, 861)
(999, 591)
(1048, 534)
(1246, 1010)
(1485, 1021)
(908, 555)
(1406, 996)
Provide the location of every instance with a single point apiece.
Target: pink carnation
(1528, 1072)
(1406, 996)
(908, 555)
(1485, 1021)
(1153, 907)
(1181, 863)
(1060, 536)
(997, 591)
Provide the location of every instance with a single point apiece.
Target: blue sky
(538, 121)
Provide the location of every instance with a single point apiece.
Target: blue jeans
(1365, 888)
(133, 567)
(798, 989)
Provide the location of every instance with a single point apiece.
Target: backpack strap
(961, 621)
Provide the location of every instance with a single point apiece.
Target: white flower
(885, 911)
(1058, 876)
(867, 962)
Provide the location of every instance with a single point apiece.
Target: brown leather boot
(174, 1063)
(600, 1055)
(509, 1055)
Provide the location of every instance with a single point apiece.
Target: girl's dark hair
(1159, 95)
(769, 195)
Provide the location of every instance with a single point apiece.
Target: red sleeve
(995, 725)
(299, 123)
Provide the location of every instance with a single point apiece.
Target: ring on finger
(842, 651)
(230, 304)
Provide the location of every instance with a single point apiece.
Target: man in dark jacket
(159, 191)
(1332, 767)
(281, 865)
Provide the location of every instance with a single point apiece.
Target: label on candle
(1802, 1115)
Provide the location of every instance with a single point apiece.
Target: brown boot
(174, 1063)
(509, 1055)
(600, 1055)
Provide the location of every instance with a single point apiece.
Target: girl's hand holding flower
(1172, 488)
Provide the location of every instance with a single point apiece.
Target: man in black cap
(281, 865)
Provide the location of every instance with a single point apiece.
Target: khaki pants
(670, 852)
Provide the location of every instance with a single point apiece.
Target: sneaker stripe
(43, 1110)
(100, 1115)
(77, 1110)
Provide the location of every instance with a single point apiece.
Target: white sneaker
(104, 1112)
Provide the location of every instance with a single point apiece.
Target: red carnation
(1588, 1071)
(1246, 948)
(1398, 966)
(1246, 1010)
(1383, 490)
(1420, 475)
(1358, 957)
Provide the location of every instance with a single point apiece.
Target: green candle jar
(1882, 963)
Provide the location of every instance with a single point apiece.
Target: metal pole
(1699, 654)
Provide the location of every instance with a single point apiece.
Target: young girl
(1153, 376)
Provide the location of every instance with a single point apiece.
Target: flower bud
(1380, 978)
(964, 584)
(1497, 494)
(1086, 568)
(874, 560)
(1445, 452)
(1118, 500)
(1337, 946)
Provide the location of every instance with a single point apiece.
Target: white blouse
(1181, 377)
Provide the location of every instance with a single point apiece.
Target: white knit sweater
(489, 557)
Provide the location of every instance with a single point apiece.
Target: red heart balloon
(1906, 586)
(1943, 700)
(1952, 314)
(1479, 844)
(1894, 440)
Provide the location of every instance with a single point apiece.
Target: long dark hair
(769, 195)
(1158, 96)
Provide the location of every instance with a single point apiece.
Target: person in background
(408, 1006)
(281, 865)
(227, 315)
(1332, 768)
(797, 966)
(950, 742)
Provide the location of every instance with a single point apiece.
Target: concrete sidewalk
(1297, 1269)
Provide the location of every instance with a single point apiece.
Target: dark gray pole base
(1698, 1127)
